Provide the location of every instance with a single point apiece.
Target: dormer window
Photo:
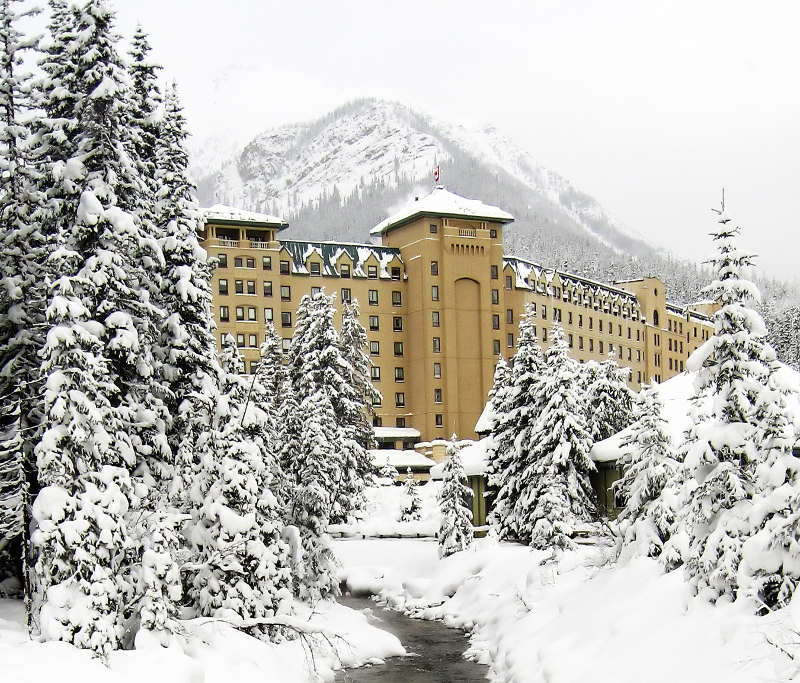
(372, 272)
(315, 269)
(344, 270)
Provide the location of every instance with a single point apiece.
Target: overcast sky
(651, 107)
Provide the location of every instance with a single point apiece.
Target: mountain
(335, 178)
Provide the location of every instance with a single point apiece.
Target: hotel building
(440, 303)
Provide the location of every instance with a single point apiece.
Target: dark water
(436, 651)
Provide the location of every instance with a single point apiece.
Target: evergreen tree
(455, 531)
(515, 405)
(738, 452)
(389, 474)
(609, 401)
(650, 466)
(410, 503)
(555, 492)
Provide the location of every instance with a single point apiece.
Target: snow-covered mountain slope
(337, 177)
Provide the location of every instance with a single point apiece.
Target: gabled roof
(440, 202)
(219, 213)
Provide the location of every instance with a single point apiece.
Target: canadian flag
(436, 175)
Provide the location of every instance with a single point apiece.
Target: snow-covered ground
(535, 618)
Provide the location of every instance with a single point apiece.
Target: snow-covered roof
(676, 394)
(474, 458)
(395, 433)
(332, 253)
(484, 423)
(220, 212)
(400, 460)
(440, 202)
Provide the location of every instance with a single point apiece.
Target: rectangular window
(346, 294)
(400, 422)
(439, 419)
(222, 260)
(372, 272)
(376, 420)
(252, 340)
(493, 233)
(619, 330)
(344, 270)
(374, 348)
(437, 370)
(374, 323)
(267, 287)
(544, 334)
(510, 340)
(251, 286)
(599, 325)
(434, 292)
(437, 395)
(223, 286)
(375, 373)
(315, 290)
(509, 316)
(400, 399)
(267, 314)
(580, 320)
(397, 298)
(286, 319)
(399, 375)
(395, 273)
(397, 324)
(670, 363)
(533, 309)
(570, 341)
(629, 333)
(284, 267)
(591, 323)
(569, 318)
(434, 228)
(398, 348)
(286, 344)
(435, 318)
(251, 263)
(237, 262)
(240, 312)
(495, 272)
(639, 376)
(286, 293)
(373, 297)
(240, 341)
(544, 312)
(681, 366)
(437, 344)
(434, 267)
(495, 296)
(580, 343)
(496, 347)
(377, 400)
(600, 346)
(591, 345)
(224, 314)
(638, 355)
(508, 282)
(266, 262)
(254, 366)
(315, 269)
(251, 313)
(495, 321)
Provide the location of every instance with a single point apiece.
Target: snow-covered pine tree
(609, 401)
(186, 351)
(242, 568)
(389, 474)
(649, 465)
(555, 492)
(515, 405)
(455, 531)
(727, 448)
(410, 502)
(23, 255)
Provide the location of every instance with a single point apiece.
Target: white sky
(651, 107)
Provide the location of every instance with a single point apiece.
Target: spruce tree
(455, 531)
(516, 407)
(410, 503)
(649, 464)
(609, 401)
(555, 492)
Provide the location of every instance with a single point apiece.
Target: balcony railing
(467, 232)
(224, 242)
(259, 244)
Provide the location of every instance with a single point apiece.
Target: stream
(435, 651)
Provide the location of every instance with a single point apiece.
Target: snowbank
(572, 618)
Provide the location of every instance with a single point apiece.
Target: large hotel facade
(440, 303)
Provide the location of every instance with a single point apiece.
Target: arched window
(655, 318)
